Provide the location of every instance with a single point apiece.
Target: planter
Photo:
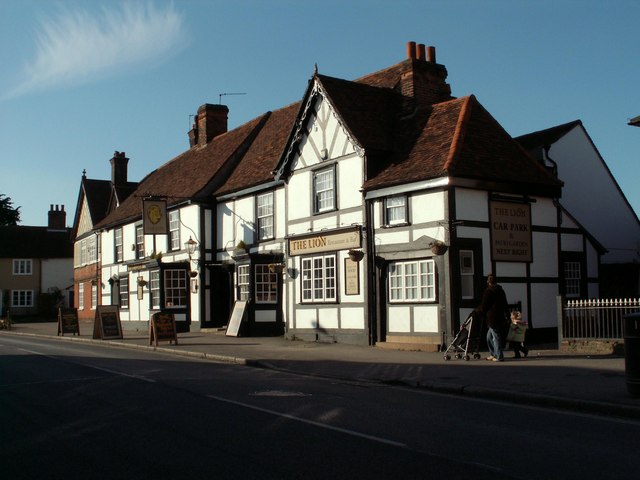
(356, 255)
(438, 248)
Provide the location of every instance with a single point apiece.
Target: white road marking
(311, 422)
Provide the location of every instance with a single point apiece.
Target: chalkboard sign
(107, 324)
(68, 321)
(236, 318)
(163, 327)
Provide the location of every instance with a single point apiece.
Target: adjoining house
(370, 212)
(569, 153)
(96, 199)
(36, 266)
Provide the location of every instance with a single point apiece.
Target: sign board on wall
(351, 277)
(325, 242)
(510, 232)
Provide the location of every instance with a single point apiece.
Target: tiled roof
(458, 138)
(35, 242)
(264, 153)
(369, 113)
(97, 194)
(545, 137)
(190, 175)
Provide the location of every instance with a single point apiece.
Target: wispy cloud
(77, 47)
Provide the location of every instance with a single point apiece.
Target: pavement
(548, 377)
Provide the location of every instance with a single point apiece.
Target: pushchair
(467, 340)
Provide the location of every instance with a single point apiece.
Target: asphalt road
(86, 411)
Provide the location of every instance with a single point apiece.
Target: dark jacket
(495, 308)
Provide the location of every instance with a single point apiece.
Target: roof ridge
(459, 133)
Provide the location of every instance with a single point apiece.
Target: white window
(94, 296)
(139, 242)
(395, 210)
(324, 190)
(22, 298)
(22, 266)
(123, 291)
(319, 279)
(81, 296)
(467, 272)
(265, 215)
(117, 244)
(154, 288)
(412, 281)
(266, 285)
(243, 282)
(174, 229)
(572, 279)
(175, 288)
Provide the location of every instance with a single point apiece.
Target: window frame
(315, 288)
(316, 200)
(400, 284)
(80, 295)
(387, 221)
(179, 284)
(266, 284)
(22, 299)
(22, 267)
(260, 219)
(94, 296)
(467, 273)
(139, 242)
(243, 282)
(154, 290)
(123, 292)
(174, 230)
(118, 250)
(572, 284)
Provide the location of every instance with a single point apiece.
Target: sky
(80, 79)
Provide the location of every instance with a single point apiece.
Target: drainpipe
(372, 295)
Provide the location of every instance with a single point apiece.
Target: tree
(8, 214)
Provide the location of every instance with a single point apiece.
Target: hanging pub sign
(155, 220)
(510, 232)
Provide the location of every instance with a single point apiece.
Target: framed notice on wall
(351, 277)
(511, 232)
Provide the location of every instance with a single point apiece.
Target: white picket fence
(595, 319)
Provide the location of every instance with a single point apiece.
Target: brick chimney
(424, 80)
(210, 122)
(119, 168)
(57, 218)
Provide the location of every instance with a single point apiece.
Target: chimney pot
(411, 50)
(431, 54)
(421, 52)
(119, 168)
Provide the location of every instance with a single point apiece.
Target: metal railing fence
(595, 319)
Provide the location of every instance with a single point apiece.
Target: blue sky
(81, 79)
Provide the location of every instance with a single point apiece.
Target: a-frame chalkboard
(107, 324)
(68, 321)
(163, 327)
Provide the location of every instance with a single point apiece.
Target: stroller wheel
(446, 357)
(476, 356)
(466, 358)
(458, 356)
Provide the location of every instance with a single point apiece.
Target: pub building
(370, 212)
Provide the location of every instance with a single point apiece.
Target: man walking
(494, 308)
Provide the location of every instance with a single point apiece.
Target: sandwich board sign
(107, 324)
(68, 321)
(239, 309)
(163, 328)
